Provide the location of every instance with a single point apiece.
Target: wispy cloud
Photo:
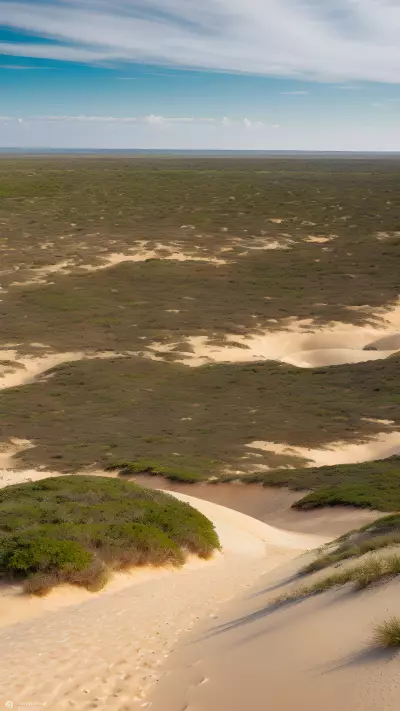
(150, 120)
(294, 93)
(334, 40)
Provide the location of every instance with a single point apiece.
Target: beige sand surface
(380, 446)
(107, 651)
(271, 505)
(302, 344)
(161, 252)
(335, 356)
(319, 240)
(313, 655)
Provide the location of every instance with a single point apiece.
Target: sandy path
(106, 652)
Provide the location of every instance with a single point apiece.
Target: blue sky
(246, 74)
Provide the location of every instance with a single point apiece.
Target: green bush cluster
(78, 528)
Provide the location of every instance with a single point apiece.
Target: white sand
(303, 345)
(380, 446)
(319, 240)
(166, 253)
(107, 651)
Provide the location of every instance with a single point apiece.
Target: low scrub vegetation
(78, 529)
(383, 533)
(142, 466)
(373, 570)
(374, 485)
(387, 634)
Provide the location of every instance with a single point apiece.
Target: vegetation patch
(155, 469)
(374, 485)
(387, 634)
(372, 570)
(200, 420)
(79, 528)
(383, 533)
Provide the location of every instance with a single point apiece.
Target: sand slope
(312, 655)
(106, 651)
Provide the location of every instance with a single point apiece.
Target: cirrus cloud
(334, 40)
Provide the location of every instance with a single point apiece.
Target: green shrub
(32, 551)
(77, 529)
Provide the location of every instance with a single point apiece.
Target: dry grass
(372, 570)
(387, 634)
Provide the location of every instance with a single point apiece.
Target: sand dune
(302, 344)
(334, 356)
(380, 446)
(312, 655)
(107, 651)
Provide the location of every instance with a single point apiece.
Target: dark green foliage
(374, 485)
(74, 528)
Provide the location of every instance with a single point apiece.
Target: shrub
(387, 634)
(77, 529)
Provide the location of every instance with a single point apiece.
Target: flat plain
(170, 313)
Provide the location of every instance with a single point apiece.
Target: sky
(215, 74)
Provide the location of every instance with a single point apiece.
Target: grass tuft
(371, 571)
(387, 634)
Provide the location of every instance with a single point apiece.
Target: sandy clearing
(334, 356)
(115, 258)
(303, 345)
(313, 655)
(380, 446)
(319, 240)
(106, 652)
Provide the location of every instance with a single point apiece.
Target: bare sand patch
(335, 356)
(166, 253)
(319, 239)
(40, 274)
(380, 446)
(303, 345)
